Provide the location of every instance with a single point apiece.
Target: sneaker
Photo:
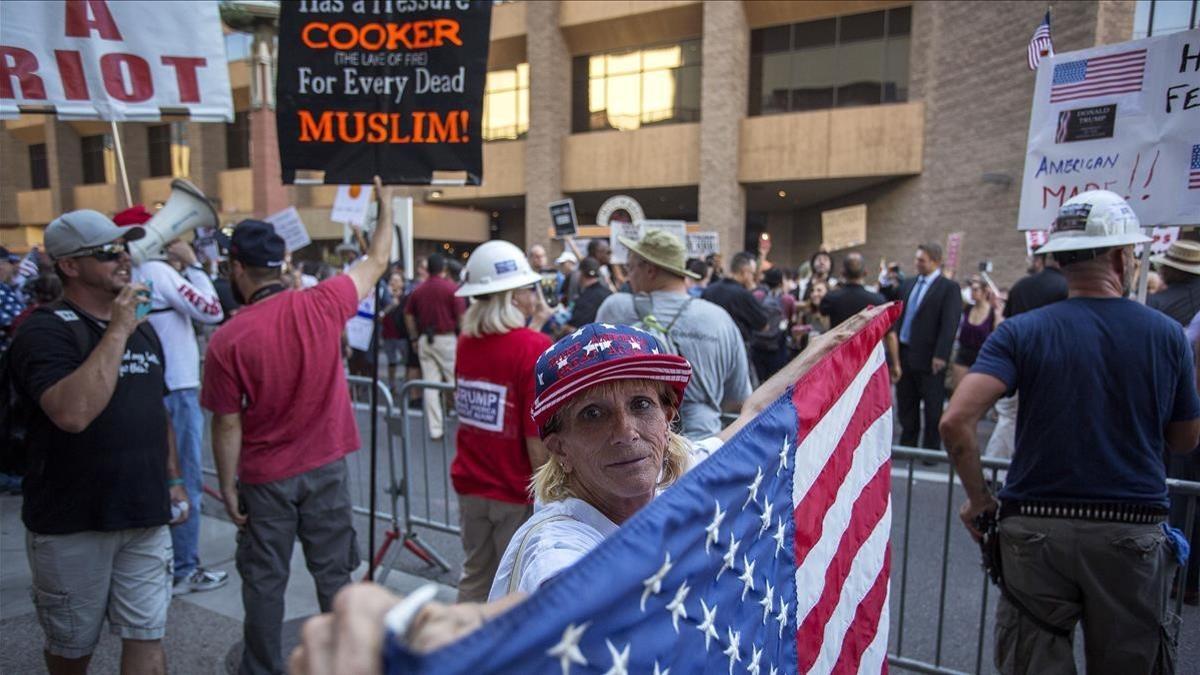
(200, 580)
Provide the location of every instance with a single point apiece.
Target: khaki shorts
(80, 579)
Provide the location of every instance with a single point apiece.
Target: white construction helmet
(496, 266)
(1092, 220)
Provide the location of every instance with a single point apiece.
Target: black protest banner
(382, 87)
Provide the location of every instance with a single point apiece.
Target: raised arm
(370, 268)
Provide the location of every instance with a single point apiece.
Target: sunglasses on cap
(105, 253)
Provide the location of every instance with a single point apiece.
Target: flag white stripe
(820, 442)
(876, 652)
(863, 572)
(873, 450)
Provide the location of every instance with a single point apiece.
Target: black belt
(1112, 512)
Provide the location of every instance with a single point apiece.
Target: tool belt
(1109, 512)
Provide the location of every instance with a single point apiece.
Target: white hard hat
(566, 256)
(496, 266)
(1091, 220)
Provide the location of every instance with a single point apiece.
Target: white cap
(566, 256)
(1091, 220)
(496, 266)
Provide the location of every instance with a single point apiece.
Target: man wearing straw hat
(696, 329)
(1180, 269)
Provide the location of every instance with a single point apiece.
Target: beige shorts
(80, 579)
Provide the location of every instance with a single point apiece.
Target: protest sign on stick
(114, 60)
(382, 88)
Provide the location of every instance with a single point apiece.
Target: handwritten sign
(621, 228)
(289, 226)
(1137, 135)
(393, 89)
(1163, 238)
(677, 228)
(351, 203)
(702, 244)
(953, 252)
(843, 228)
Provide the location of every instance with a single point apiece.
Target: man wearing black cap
(282, 425)
(102, 473)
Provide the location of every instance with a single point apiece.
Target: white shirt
(559, 534)
(176, 301)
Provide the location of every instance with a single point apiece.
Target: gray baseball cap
(84, 229)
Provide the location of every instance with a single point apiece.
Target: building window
(1156, 17)
(506, 104)
(39, 169)
(860, 59)
(92, 153)
(631, 89)
(237, 142)
(158, 140)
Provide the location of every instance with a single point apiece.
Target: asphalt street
(937, 588)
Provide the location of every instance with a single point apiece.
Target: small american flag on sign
(1194, 173)
(770, 557)
(1040, 44)
(1098, 76)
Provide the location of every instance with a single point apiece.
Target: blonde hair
(492, 314)
(549, 482)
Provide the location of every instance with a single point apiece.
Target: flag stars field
(654, 583)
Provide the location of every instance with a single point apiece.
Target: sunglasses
(105, 253)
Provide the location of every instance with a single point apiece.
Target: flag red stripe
(809, 514)
(816, 392)
(868, 509)
(865, 624)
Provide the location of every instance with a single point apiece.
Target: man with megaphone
(181, 292)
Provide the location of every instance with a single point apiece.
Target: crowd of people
(539, 354)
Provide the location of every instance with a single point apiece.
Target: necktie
(914, 302)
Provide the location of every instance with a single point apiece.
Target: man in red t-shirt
(433, 316)
(282, 425)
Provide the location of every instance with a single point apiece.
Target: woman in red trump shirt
(498, 446)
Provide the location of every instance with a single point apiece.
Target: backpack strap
(75, 321)
(679, 314)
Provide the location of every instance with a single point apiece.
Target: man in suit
(932, 309)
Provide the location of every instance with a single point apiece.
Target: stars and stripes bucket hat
(597, 353)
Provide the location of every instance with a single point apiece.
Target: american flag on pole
(1040, 44)
(1098, 76)
(1194, 171)
(770, 557)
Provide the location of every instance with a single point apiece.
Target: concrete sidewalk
(204, 630)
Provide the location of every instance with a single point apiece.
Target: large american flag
(770, 557)
(1194, 171)
(1098, 76)
(1040, 44)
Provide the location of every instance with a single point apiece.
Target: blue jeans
(188, 420)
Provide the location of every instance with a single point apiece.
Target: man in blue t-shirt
(1105, 385)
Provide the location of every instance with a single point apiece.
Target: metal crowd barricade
(358, 469)
(429, 500)
(962, 619)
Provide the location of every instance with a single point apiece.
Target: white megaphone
(186, 209)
